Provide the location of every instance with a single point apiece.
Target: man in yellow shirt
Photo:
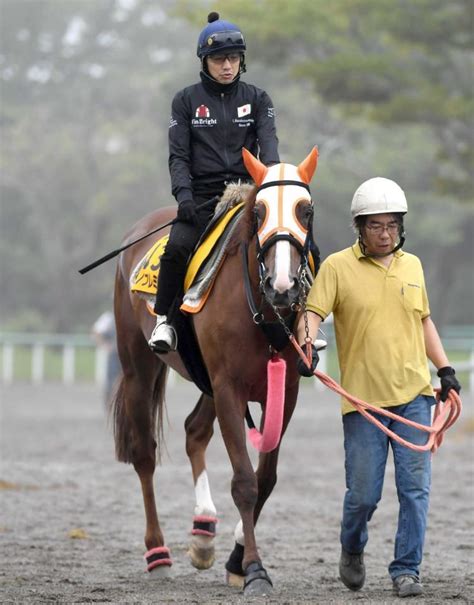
(384, 335)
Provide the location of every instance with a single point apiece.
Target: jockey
(210, 123)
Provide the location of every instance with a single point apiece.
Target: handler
(384, 334)
(210, 123)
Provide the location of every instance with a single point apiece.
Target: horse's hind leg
(199, 430)
(137, 411)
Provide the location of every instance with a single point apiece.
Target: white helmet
(378, 196)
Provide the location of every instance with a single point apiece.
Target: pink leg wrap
(204, 525)
(158, 556)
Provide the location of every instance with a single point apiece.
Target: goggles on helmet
(219, 41)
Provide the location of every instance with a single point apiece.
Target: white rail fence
(38, 345)
(460, 340)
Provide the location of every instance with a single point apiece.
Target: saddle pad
(202, 276)
(207, 246)
(144, 278)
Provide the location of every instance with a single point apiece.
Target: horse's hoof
(257, 581)
(160, 572)
(234, 572)
(258, 588)
(202, 552)
(234, 580)
(201, 548)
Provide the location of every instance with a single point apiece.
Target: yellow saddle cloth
(144, 278)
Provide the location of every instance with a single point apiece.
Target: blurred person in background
(210, 123)
(384, 334)
(104, 333)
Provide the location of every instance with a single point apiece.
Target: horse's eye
(304, 213)
(260, 212)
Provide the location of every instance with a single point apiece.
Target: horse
(259, 285)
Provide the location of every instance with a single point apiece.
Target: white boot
(163, 338)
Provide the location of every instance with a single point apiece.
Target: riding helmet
(219, 36)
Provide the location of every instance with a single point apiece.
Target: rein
(445, 415)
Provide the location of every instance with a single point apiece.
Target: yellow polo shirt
(377, 321)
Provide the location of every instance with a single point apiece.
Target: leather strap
(283, 182)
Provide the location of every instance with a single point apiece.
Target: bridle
(277, 333)
(303, 249)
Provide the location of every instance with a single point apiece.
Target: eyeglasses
(221, 59)
(379, 228)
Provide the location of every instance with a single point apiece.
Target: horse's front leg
(230, 409)
(266, 481)
(199, 431)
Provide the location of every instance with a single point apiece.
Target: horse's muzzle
(281, 300)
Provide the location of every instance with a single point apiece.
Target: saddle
(202, 269)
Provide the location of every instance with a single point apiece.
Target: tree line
(381, 86)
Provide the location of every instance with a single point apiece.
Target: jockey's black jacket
(210, 123)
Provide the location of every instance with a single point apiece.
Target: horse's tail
(121, 422)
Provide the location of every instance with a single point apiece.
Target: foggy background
(383, 87)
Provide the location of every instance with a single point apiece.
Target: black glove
(448, 381)
(301, 366)
(187, 212)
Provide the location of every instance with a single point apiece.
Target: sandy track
(58, 475)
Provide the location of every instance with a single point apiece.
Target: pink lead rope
(445, 414)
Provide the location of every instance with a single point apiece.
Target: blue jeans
(366, 449)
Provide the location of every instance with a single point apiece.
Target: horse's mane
(235, 194)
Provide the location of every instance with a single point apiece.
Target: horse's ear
(255, 168)
(308, 166)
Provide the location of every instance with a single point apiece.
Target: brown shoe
(352, 569)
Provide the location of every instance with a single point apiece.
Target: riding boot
(163, 338)
(170, 283)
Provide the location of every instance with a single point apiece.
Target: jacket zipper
(226, 155)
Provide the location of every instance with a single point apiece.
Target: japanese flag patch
(244, 110)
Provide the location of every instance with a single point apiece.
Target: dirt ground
(72, 522)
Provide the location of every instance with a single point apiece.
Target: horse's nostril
(268, 283)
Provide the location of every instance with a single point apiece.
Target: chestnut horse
(274, 232)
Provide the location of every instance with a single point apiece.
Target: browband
(283, 182)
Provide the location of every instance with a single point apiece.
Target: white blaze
(282, 282)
